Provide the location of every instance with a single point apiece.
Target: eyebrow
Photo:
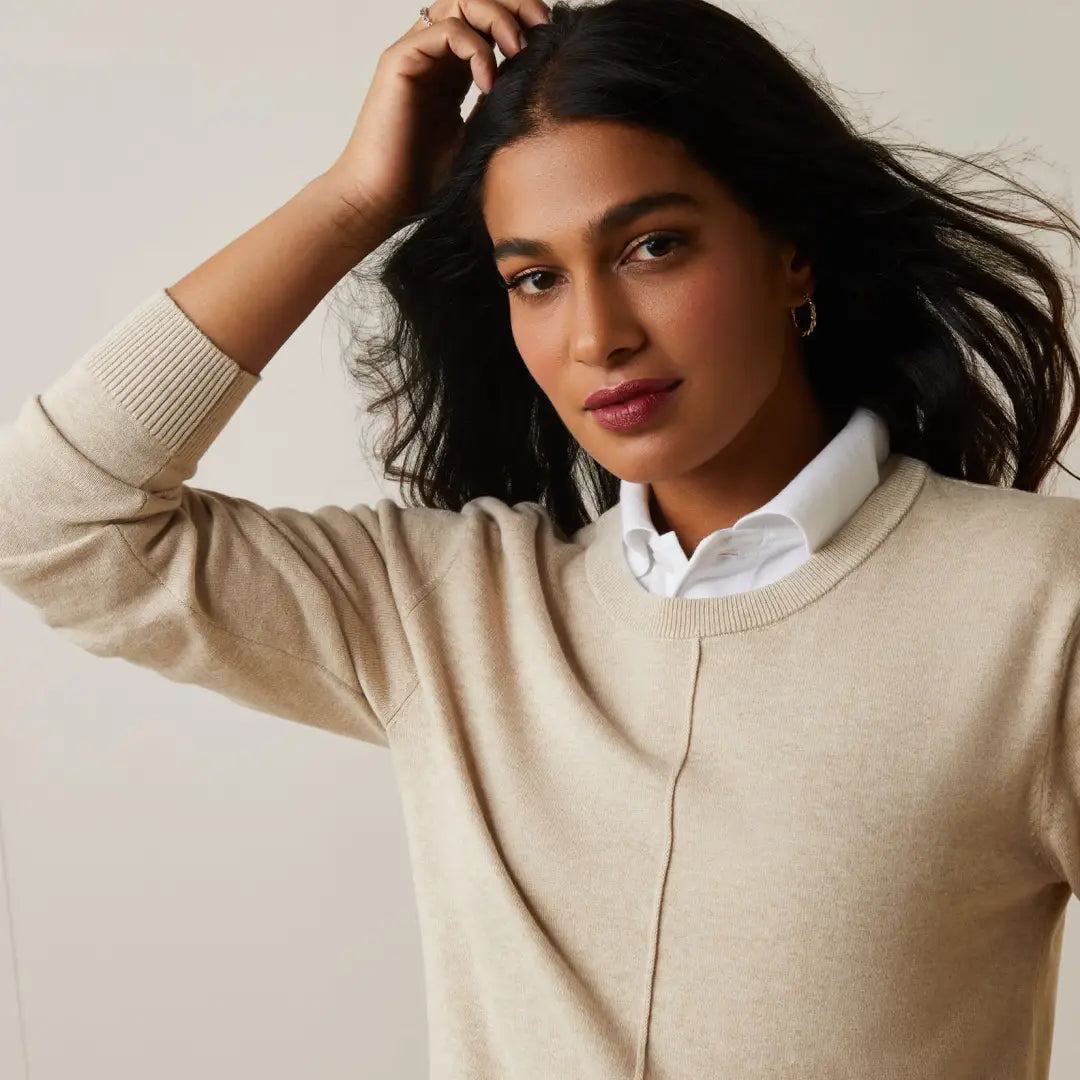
(615, 217)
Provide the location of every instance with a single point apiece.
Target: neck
(785, 434)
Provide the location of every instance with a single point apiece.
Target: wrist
(361, 223)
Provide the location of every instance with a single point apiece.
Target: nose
(602, 322)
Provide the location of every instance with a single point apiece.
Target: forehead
(566, 176)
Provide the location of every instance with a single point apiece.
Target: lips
(612, 395)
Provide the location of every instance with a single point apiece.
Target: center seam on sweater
(654, 939)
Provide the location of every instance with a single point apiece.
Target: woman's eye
(649, 240)
(661, 239)
(515, 284)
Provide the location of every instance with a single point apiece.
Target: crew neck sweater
(769, 542)
(827, 827)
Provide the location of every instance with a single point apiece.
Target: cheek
(720, 324)
(541, 345)
(545, 372)
(719, 305)
(716, 321)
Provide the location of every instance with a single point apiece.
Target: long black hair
(931, 313)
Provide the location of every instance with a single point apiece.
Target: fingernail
(521, 38)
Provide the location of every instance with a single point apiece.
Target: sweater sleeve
(298, 614)
(1059, 803)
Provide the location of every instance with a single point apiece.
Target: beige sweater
(824, 828)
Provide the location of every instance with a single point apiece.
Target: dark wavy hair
(932, 313)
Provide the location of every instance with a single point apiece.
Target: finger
(530, 12)
(464, 42)
(502, 20)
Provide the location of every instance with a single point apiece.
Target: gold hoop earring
(813, 318)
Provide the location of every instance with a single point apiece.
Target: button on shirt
(766, 543)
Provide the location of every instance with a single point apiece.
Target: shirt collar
(816, 502)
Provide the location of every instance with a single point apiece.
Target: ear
(797, 275)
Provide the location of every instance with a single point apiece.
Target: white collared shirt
(771, 541)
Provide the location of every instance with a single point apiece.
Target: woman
(772, 769)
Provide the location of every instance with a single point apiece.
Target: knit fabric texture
(823, 828)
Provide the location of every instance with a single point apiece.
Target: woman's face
(706, 300)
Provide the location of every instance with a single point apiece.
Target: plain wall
(191, 888)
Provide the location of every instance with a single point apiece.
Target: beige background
(190, 888)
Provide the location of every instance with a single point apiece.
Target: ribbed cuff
(163, 373)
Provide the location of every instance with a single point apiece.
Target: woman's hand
(410, 123)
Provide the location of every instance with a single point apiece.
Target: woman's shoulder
(1009, 526)
(968, 496)
(434, 535)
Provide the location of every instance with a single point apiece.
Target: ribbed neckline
(613, 582)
